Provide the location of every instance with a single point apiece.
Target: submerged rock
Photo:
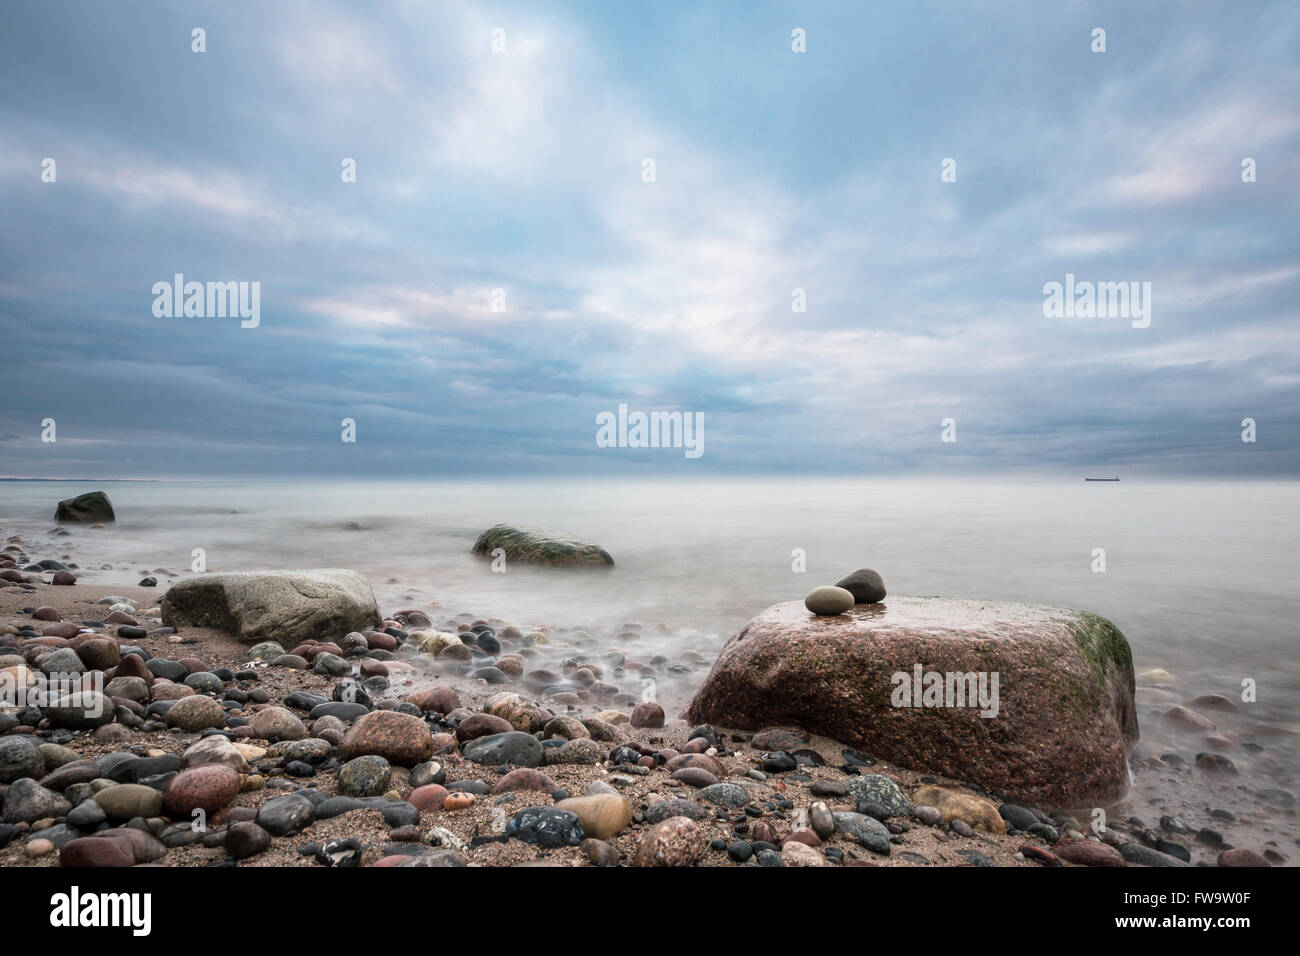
(535, 546)
(281, 606)
(1064, 706)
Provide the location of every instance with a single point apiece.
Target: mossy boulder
(535, 546)
(1057, 734)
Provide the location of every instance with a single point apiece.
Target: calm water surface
(1201, 576)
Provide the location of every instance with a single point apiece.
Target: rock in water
(90, 507)
(285, 606)
(1065, 704)
(866, 586)
(828, 600)
(534, 546)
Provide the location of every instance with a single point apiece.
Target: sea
(1201, 576)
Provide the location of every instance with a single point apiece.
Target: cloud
(521, 171)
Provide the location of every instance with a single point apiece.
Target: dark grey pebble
(546, 827)
(1017, 816)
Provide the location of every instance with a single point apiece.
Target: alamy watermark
(75, 909)
(212, 300)
(955, 689)
(72, 691)
(639, 429)
(1098, 300)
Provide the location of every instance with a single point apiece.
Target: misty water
(1200, 576)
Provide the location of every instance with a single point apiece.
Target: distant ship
(1101, 479)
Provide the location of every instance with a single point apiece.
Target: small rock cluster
(863, 586)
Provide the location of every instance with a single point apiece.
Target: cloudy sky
(523, 170)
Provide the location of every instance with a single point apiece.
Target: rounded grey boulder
(287, 607)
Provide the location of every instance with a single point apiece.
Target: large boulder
(1064, 705)
(535, 546)
(285, 606)
(91, 507)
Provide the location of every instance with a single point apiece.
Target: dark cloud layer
(521, 171)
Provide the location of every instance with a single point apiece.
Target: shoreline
(218, 649)
(783, 799)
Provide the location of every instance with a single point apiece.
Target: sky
(504, 268)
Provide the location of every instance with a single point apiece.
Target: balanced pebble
(828, 601)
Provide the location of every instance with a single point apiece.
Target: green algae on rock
(1055, 731)
(536, 546)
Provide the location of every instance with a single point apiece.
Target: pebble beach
(447, 737)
